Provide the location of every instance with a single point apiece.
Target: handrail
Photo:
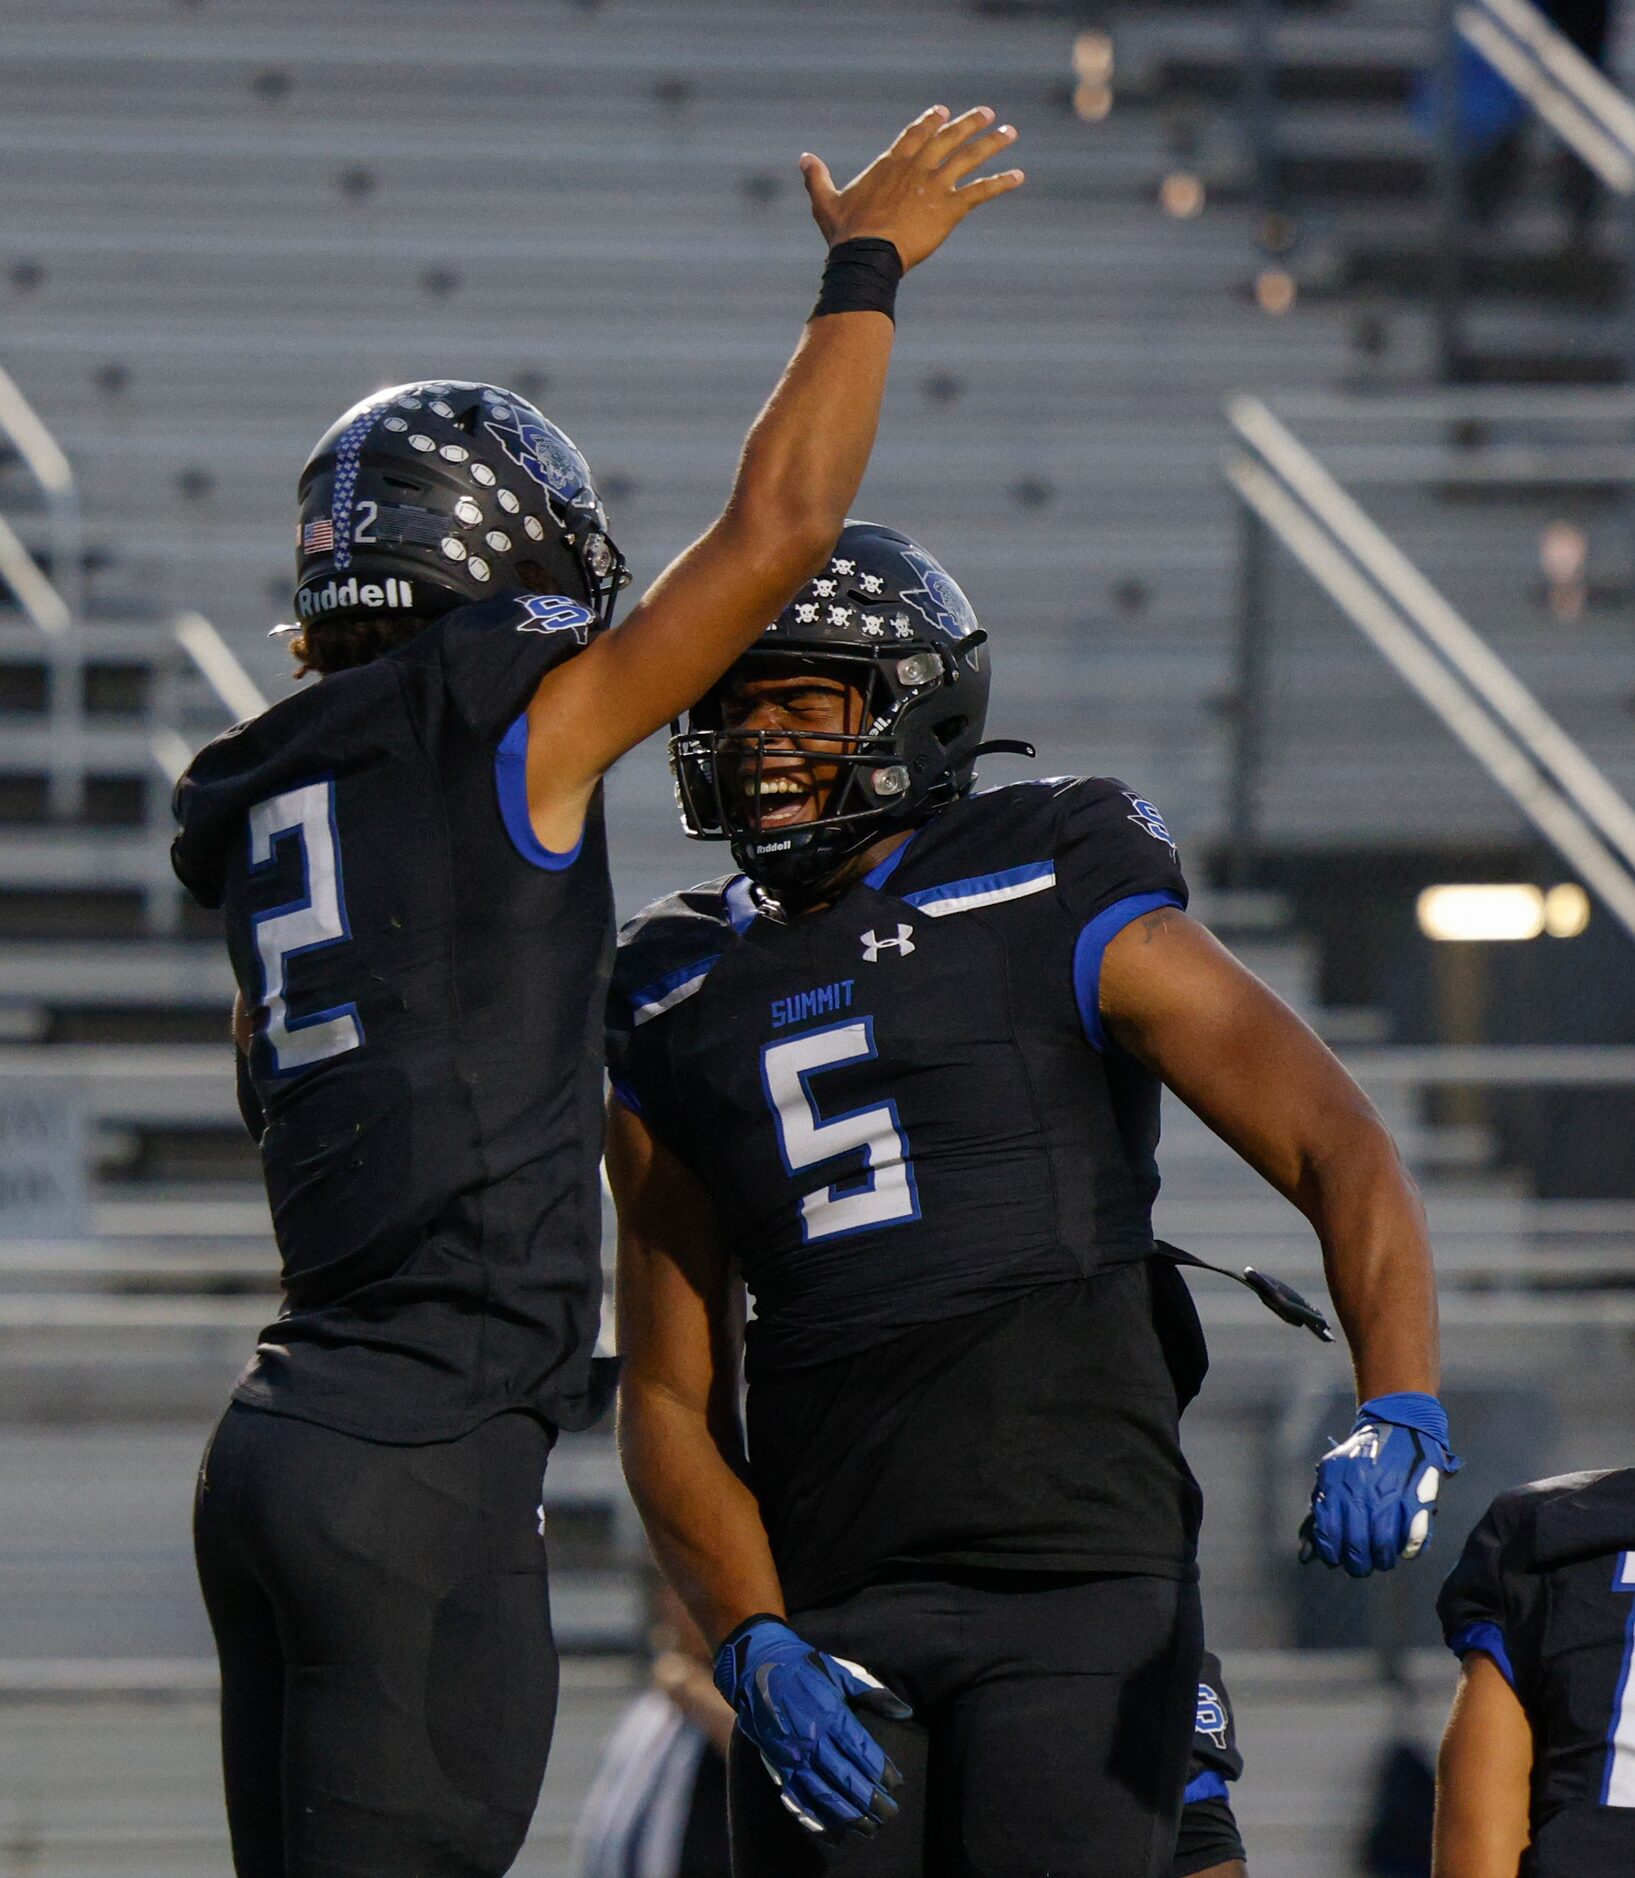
(219, 666)
(1476, 695)
(50, 468)
(34, 592)
(1582, 105)
(1557, 105)
(1590, 115)
(1459, 643)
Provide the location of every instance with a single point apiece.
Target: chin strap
(1280, 1299)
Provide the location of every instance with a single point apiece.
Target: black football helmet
(431, 495)
(888, 618)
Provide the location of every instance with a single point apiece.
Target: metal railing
(1578, 103)
(205, 652)
(1289, 497)
(1584, 109)
(43, 458)
(51, 602)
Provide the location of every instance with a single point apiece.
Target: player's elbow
(783, 534)
(657, 1421)
(1349, 1152)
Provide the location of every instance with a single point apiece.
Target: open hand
(914, 194)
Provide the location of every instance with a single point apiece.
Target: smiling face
(776, 734)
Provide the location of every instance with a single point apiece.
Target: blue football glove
(1375, 1497)
(796, 1705)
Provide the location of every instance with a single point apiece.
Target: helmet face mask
(433, 495)
(889, 622)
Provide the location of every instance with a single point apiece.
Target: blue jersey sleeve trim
(1486, 1636)
(511, 783)
(1205, 1786)
(626, 1096)
(1092, 945)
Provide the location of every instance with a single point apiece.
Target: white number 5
(888, 1194)
(318, 918)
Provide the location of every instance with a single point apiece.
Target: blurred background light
(1181, 194)
(1508, 910)
(1093, 58)
(1275, 290)
(1566, 910)
(1092, 102)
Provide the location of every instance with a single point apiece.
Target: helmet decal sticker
(938, 601)
(539, 449)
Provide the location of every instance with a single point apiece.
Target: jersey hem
(420, 1437)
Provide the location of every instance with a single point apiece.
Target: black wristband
(860, 276)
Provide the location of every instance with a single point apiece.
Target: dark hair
(335, 645)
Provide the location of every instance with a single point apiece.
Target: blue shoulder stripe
(670, 990)
(964, 896)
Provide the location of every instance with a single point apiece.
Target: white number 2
(1618, 1787)
(887, 1195)
(318, 918)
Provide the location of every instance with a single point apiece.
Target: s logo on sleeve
(551, 613)
(1147, 818)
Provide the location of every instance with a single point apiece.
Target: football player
(900, 1075)
(1537, 1769)
(410, 859)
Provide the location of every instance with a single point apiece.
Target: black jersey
(936, 1176)
(901, 1105)
(426, 1062)
(1546, 1588)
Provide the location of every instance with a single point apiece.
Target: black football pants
(1053, 1725)
(388, 1673)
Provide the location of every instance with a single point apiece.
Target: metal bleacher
(224, 221)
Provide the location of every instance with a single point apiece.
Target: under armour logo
(873, 947)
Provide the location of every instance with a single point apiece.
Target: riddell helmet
(888, 618)
(428, 496)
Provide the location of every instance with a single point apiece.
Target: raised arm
(800, 470)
